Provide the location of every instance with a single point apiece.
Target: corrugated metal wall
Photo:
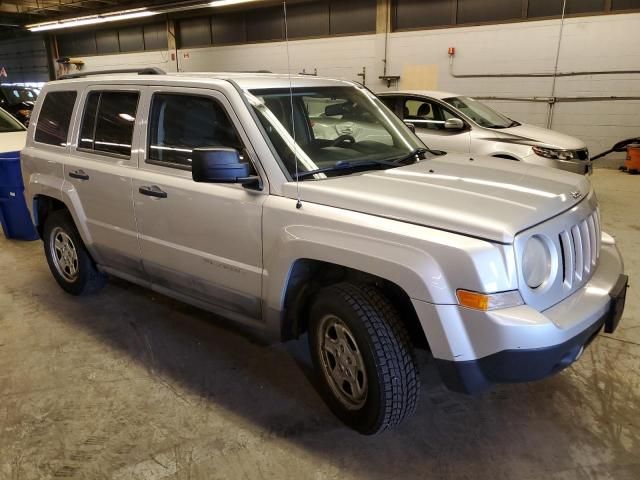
(24, 60)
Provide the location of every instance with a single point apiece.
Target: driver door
(428, 117)
(202, 241)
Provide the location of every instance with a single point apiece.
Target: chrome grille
(580, 246)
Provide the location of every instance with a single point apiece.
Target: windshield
(339, 130)
(480, 113)
(15, 95)
(8, 123)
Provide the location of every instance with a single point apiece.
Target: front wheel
(364, 358)
(68, 259)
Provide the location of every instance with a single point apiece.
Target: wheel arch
(307, 276)
(48, 193)
(506, 156)
(43, 206)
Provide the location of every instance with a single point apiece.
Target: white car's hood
(485, 197)
(532, 135)
(12, 141)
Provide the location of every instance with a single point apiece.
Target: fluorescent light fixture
(124, 15)
(92, 20)
(224, 3)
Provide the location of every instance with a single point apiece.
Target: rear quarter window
(54, 118)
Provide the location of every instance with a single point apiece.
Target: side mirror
(453, 124)
(221, 165)
(410, 126)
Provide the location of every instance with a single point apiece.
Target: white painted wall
(589, 43)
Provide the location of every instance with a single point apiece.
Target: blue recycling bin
(14, 215)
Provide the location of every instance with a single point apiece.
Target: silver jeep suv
(217, 190)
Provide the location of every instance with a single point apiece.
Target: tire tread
(393, 351)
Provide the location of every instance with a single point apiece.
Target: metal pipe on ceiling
(542, 75)
(559, 99)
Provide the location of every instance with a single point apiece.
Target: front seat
(424, 113)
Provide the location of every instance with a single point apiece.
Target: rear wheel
(363, 356)
(68, 259)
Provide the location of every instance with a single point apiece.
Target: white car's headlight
(556, 154)
(536, 262)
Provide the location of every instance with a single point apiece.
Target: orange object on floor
(632, 163)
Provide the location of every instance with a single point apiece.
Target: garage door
(23, 60)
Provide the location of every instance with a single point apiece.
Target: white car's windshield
(337, 131)
(9, 124)
(480, 113)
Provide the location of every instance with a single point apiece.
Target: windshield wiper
(512, 124)
(344, 165)
(347, 165)
(414, 156)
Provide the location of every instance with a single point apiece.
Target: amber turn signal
(488, 301)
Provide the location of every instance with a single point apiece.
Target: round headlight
(536, 262)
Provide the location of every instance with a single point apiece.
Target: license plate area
(618, 296)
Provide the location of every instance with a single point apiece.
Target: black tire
(87, 278)
(383, 343)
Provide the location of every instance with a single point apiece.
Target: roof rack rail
(139, 71)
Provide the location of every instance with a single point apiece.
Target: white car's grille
(580, 246)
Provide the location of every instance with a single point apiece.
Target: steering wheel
(342, 139)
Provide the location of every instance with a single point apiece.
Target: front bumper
(509, 366)
(474, 349)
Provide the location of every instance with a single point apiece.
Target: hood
(12, 141)
(485, 197)
(532, 135)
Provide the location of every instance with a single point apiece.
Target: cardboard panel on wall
(419, 77)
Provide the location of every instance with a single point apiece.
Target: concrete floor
(131, 385)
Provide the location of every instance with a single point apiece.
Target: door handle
(79, 174)
(153, 191)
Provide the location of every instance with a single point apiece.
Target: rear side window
(180, 123)
(108, 121)
(390, 102)
(87, 131)
(54, 118)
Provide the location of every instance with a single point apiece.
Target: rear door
(99, 168)
(201, 240)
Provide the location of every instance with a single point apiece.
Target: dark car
(18, 101)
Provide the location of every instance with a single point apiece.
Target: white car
(12, 134)
(452, 122)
